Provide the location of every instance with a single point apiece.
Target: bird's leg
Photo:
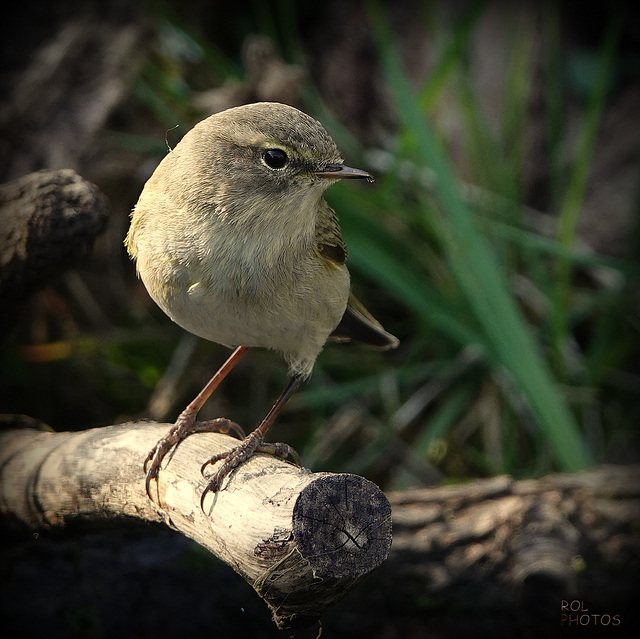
(186, 423)
(253, 442)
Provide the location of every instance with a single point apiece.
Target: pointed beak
(340, 172)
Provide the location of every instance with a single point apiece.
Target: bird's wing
(356, 323)
(329, 240)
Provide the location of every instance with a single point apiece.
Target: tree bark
(302, 540)
(501, 557)
(49, 221)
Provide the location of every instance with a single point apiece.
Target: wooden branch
(302, 540)
(49, 221)
(522, 547)
(495, 557)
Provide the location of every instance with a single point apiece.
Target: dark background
(136, 77)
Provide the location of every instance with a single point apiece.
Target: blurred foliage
(519, 349)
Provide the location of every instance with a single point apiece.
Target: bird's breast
(254, 294)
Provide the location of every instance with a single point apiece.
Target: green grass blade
(377, 255)
(480, 277)
(570, 211)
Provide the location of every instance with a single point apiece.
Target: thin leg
(252, 443)
(186, 423)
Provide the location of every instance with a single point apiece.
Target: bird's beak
(340, 172)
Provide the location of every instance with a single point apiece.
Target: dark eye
(275, 158)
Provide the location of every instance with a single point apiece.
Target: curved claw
(151, 466)
(232, 459)
(251, 444)
(147, 484)
(215, 481)
(150, 456)
(184, 426)
(213, 486)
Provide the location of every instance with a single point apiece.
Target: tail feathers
(358, 324)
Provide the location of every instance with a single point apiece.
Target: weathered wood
(506, 555)
(48, 222)
(302, 540)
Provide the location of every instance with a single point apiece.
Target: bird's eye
(275, 158)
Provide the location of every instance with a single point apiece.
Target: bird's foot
(185, 425)
(251, 444)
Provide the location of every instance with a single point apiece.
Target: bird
(234, 241)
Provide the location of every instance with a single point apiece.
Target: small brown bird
(234, 241)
